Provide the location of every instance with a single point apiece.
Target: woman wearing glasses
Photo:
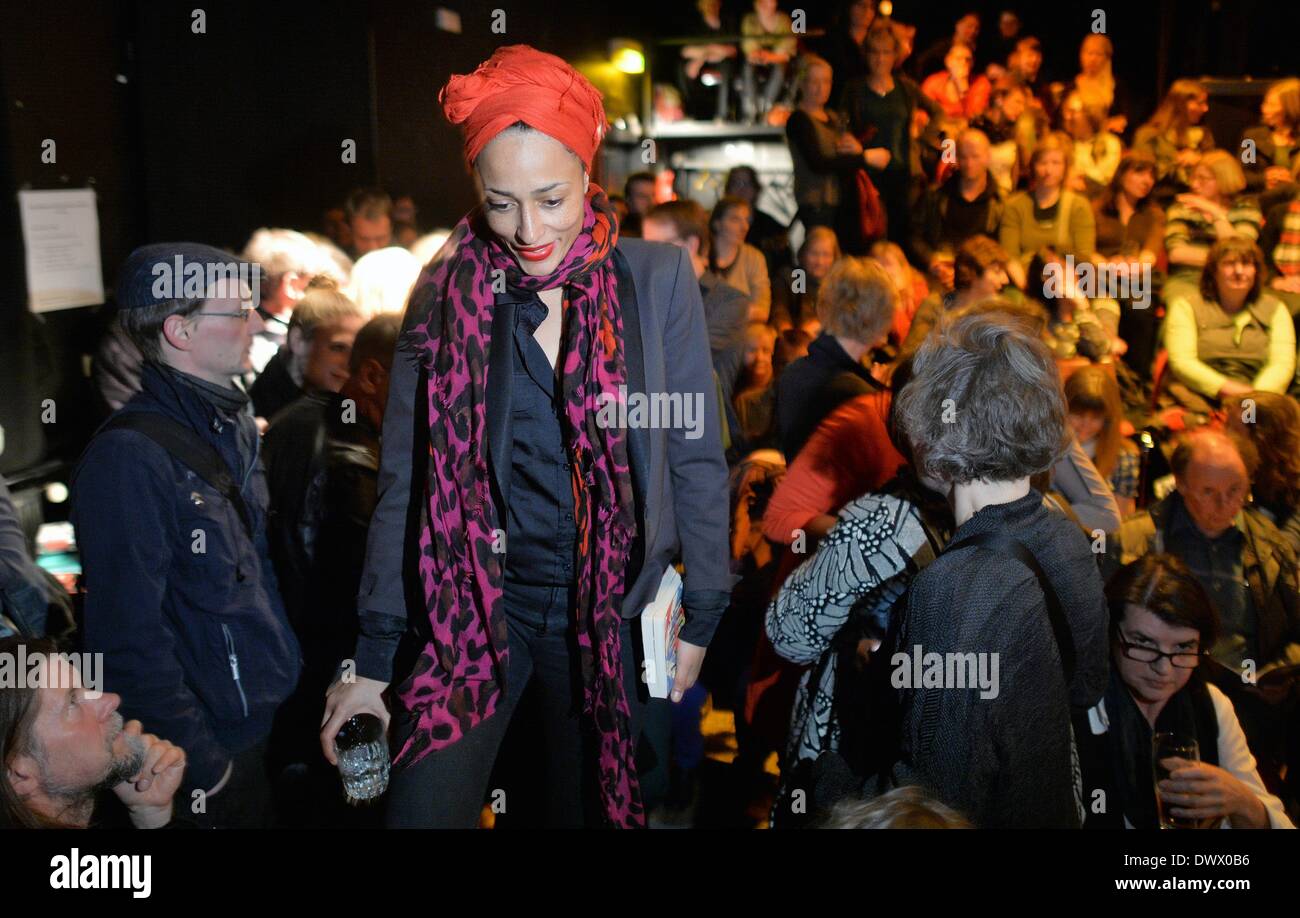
(1162, 623)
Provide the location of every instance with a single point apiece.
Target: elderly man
(169, 502)
(61, 746)
(1241, 559)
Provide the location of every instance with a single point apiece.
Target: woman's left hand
(1204, 792)
(690, 657)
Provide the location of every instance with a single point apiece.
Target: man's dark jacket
(809, 389)
(931, 229)
(183, 605)
(274, 389)
(678, 482)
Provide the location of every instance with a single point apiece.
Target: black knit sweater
(1004, 761)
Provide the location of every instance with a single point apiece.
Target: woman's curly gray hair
(984, 401)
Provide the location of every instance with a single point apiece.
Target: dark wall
(58, 74)
(183, 135)
(243, 126)
(419, 152)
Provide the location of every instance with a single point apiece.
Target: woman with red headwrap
(539, 521)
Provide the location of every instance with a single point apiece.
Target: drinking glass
(1166, 746)
(363, 758)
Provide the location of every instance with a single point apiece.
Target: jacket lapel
(638, 447)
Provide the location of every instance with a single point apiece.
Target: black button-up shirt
(542, 534)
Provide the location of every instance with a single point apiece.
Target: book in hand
(661, 623)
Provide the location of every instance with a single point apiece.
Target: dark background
(208, 136)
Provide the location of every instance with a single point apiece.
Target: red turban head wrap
(520, 83)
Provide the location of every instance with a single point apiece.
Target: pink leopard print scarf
(459, 677)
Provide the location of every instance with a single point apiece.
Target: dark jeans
(753, 106)
(447, 788)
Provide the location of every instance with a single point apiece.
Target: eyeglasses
(243, 314)
(1140, 653)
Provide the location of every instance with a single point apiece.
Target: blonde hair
(1172, 113)
(857, 300)
(382, 280)
(1054, 142)
(806, 63)
(1227, 171)
(323, 304)
(1097, 93)
(1288, 97)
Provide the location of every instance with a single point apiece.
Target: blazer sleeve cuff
(704, 609)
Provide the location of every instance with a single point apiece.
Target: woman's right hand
(345, 700)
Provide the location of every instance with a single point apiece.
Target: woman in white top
(1161, 622)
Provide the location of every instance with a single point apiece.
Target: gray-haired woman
(986, 726)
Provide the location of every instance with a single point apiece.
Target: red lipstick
(537, 252)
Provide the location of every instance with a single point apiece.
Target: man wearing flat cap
(169, 503)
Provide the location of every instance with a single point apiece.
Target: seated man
(969, 203)
(1241, 559)
(61, 746)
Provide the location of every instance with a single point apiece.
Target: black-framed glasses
(1140, 653)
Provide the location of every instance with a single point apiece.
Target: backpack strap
(1014, 548)
(194, 453)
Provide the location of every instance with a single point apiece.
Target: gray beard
(119, 769)
(127, 765)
